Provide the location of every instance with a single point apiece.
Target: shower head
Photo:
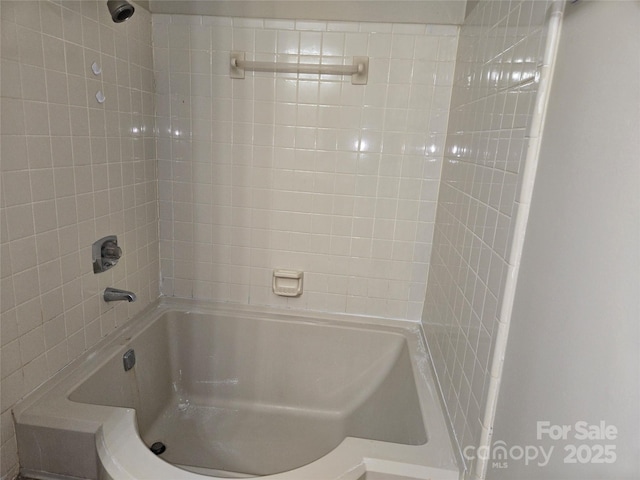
(120, 10)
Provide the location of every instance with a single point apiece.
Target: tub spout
(115, 295)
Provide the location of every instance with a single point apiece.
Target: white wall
(448, 12)
(501, 44)
(72, 171)
(315, 174)
(573, 345)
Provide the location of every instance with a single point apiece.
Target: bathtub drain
(158, 448)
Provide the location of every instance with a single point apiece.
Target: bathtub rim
(103, 421)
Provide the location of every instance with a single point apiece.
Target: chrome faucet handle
(111, 250)
(105, 253)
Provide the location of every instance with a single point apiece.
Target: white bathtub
(240, 392)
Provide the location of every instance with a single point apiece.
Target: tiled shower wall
(308, 173)
(73, 171)
(501, 46)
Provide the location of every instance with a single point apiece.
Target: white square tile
(333, 44)
(30, 46)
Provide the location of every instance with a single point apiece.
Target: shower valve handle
(111, 250)
(105, 253)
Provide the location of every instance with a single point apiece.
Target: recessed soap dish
(288, 283)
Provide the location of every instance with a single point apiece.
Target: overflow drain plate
(158, 448)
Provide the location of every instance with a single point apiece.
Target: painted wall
(72, 171)
(448, 12)
(573, 354)
(308, 173)
(501, 45)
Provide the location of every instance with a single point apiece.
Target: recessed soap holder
(287, 283)
(106, 253)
